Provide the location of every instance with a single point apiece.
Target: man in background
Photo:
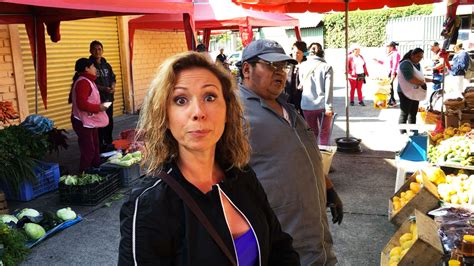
(287, 160)
(221, 57)
(106, 84)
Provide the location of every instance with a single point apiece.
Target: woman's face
(91, 70)
(196, 110)
(416, 58)
(297, 54)
(356, 51)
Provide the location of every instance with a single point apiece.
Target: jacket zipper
(246, 219)
(134, 221)
(227, 223)
(320, 208)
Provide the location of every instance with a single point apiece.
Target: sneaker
(361, 103)
(352, 103)
(392, 104)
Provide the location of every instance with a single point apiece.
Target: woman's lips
(199, 133)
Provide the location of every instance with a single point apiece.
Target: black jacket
(158, 229)
(105, 78)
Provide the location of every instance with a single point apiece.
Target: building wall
(150, 49)
(7, 77)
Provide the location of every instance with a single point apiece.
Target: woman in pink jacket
(87, 114)
(357, 71)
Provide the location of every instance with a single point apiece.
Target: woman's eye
(210, 98)
(180, 100)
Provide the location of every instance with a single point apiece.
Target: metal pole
(36, 64)
(346, 21)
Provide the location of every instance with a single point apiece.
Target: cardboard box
(425, 200)
(427, 248)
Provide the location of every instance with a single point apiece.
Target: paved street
(364, 181)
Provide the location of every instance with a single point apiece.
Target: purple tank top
(247, 250)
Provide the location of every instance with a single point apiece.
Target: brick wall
(150, 49)
(7, 78)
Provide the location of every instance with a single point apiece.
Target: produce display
(404, 244)
(452, 146)
(81, 180)
(457, 188)
(26, 227)
(405, 197)
(126, 160)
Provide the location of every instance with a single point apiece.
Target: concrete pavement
(364, 181)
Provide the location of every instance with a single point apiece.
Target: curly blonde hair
(232, 149)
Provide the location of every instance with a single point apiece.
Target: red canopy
(35, 13)
(320, 6)
(213, 15)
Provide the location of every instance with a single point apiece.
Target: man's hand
(335, 204)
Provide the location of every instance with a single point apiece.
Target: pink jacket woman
(357, 71)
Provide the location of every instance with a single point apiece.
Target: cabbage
(66, 214)
(27, 212)
(34, 231)
(71, 180)
(6, 218)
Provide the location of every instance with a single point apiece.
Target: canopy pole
(347, 144)
(346, 38)
(36, 63)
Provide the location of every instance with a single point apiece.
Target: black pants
(408, 110)
(105, 133)
(392, 93)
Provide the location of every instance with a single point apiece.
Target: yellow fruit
(468, 238)
(403, 202)
(436, 175)
(455, 199)
(393, 264)
(405, 237)
(402, 195)
(419, 178)
(404, 251)
(394, 259)
(396, 198)
(408, 244)
(396, 205)
(409, 195)
(395, 251)
(415, 187)
(413, 228)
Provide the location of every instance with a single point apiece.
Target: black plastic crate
(91, 194)
(127, 174)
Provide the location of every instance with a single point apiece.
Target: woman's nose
(198, 111)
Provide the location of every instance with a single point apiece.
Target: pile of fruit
(454, 150)
(450, 132)
(405, 243)
(405, 197)
(456, 188)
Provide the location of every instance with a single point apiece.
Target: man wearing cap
(391, 63)
(285, 156)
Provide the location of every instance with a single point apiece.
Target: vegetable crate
(427, 248)
(425, 200)
(127, 174)
(47, 175)
(91, 194)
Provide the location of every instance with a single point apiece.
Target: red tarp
(320, 6)
(213, 15)
(35, 13)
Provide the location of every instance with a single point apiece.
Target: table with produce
(433, 210)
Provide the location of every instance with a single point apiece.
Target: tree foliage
(367, 28)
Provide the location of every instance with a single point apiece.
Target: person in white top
(357, 71)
